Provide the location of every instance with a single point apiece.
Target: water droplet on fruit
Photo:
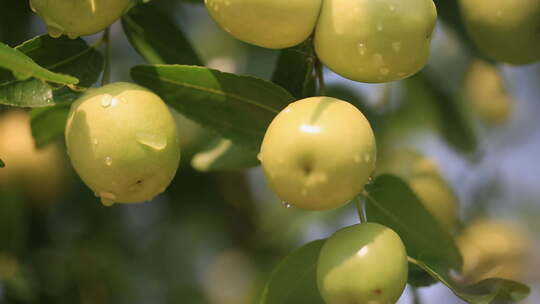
(380, 27)
(396, 46)
(259, 157)
(95, 141)
(107, 198)
(54, 31)
(362, 48)
(152, 140)
(384, 71)
(108, 161)
(21, 75)
(392, 7)
(106, 100)
(367, 158)
(285, 204)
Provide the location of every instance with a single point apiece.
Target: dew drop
(367, 158)
(378, 58)
(107, 198)
(286, 205)
(20, 75)
(362, 48)
(396, 46)
(108, 161)
(95, 141)
(392, 7)
(54, 31)
(152, 140)
(106, 100)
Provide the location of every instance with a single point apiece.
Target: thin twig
(360, 206)
(320, 76)
(106, 78)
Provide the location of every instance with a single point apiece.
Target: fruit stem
(361, 206)
(415, 296)
(320, 76)
(107, 65)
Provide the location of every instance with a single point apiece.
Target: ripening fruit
(505, 30)
(493, 248)
(40, 174)
(318, 153)
(365, 263)
(486, 91)
(76, 18)
(273, 24)
(123, 143)
(426, 181)
(375, 41)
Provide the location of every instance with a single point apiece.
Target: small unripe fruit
(123, 143)
(76, 18)
(273, 24)
(37, 173)
(493, 248)
(486, 91)
(362, 264)
(375, 41)
(505, 30)
(318, 153)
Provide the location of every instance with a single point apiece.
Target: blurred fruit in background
(426, 180)
(38, 174)
(489, 100)
(494, 248)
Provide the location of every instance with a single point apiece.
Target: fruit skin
(486, 91)
(123, 143)
(375, 41)
(427, 182)
(318, 153)
(505, 30)
(76, 18)
(365, 263)
(273, 24)
(493, 248)
(40, 174)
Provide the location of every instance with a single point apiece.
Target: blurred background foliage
(214, 237)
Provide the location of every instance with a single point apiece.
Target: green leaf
(295, 279)
(2, 164)
(294, 70)
(483, 292)
(23, 67)
(48, 123)
(156, 37)
(239, 108)
(64, 55)
(222, 154)
(392, 203)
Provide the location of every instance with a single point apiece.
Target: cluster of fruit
(319, 152)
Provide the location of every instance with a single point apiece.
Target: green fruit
(362, 264)
(426, 181)
(506, 30)
(274, 24)
(76, 18)
(123, 143)
(375, 41)
(318, 153)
